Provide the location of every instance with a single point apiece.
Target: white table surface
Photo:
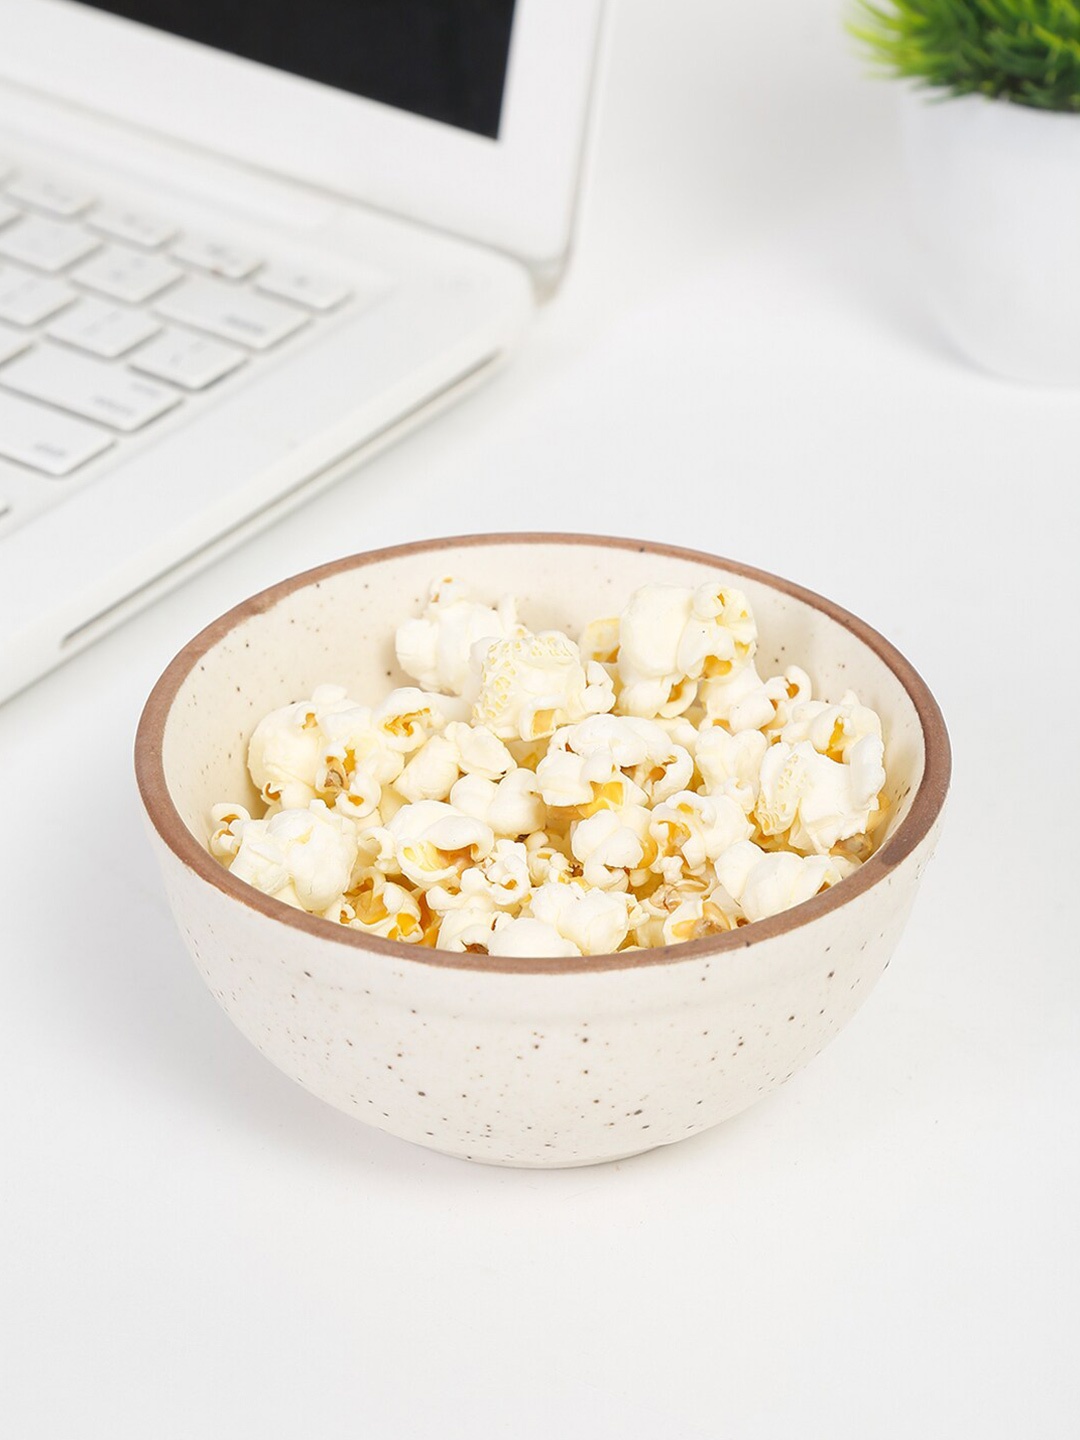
(191, 1246)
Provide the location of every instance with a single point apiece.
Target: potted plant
(992, 138)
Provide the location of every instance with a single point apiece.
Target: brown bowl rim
(166, 820)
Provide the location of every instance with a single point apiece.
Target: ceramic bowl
(539, 1062)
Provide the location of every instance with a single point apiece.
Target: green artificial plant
(1027, 51)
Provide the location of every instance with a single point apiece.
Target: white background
(191, 1246)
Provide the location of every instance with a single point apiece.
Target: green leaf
(1027, 51)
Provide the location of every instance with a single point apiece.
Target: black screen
(445, 59)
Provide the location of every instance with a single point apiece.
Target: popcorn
(679, 729)
(304, 857)
(689, 830)
(600, 641)
(742, 700)
(548, 862)
(608, 847)
(357, 761)
(787, 691)
(501, 880)
(564, 779)
(530, 796)
(469, 928)
(624, 740)
(527, 937)
(528, 686)
(586, 764)
(739, 700)
(408, 717)
(376, 849)
(816, 800)
(670, 638)
(432, 772)
(479, 752)
(595, 921)
(285, 750)
(722, 634)
(665, 772)
(693, 920)
(441, 761)
(379, 906)
(435, 650)
(228, 823)
(833, 730)
(511, 806)
(731, 763)
(692, 901)
(764, 883)
(434, 842)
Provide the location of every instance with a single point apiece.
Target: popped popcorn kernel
(528, 686)
(380, 906)
(227, 823)
(303, 856)
(512, 806)
(670, 638)
(596, 921)
(435, 650)
(693, 920)
(608, 847)
(526, 936)
(408, 717)
(284, 754)
(533, 795)
(434, 842)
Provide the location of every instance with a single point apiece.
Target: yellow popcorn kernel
(429, 923)
(228, 822)
(366, 900)
(382, 907)
(693, 920)
(600, 641)
(611, 795)
(408, 717)
(436, 649)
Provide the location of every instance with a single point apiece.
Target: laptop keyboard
(112, 318)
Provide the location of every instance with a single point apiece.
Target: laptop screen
(443, 59)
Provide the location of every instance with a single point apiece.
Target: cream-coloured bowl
(522, 1062)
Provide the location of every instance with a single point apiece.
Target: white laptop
(241, 246)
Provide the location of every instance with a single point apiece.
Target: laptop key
(12, 342)
(56, 197)
(131, 225)
(316, 292)
(192, 361)
(126, 274)
(217, 258)
(102, 328)
(47, 442)
(88, 387)
(221, 309)
(27, 299)
(46, 244)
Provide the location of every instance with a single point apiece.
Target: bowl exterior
(541, 1069)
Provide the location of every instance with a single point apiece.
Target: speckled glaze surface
(522, 1062)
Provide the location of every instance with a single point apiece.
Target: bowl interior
(337, 626)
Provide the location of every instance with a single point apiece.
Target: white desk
(193, 1247)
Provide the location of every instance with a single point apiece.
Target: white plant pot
(997, 195)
